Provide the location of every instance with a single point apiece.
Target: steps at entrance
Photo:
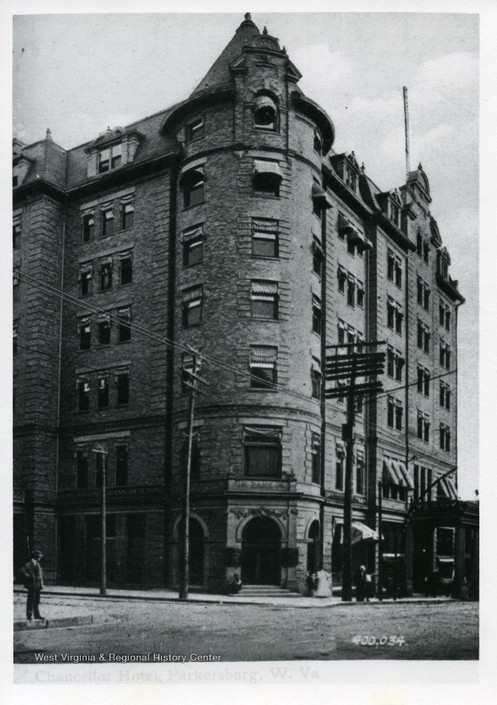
(267, 591)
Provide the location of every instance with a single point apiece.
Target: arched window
(265, 113)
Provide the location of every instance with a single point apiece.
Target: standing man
(32, 577)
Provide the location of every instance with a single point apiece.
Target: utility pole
(101, 452)
(191, 380)
(379, 587)
(350, 366)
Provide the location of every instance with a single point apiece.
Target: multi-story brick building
(226, 224)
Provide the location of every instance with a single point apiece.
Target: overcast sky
(77, 74)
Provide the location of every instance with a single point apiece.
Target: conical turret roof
(219, 72)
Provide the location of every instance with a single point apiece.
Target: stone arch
(241, 526)
(261, 551)
(313, 546)
(193, 515)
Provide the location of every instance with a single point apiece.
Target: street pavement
(170, 630)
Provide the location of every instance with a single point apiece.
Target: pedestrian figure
(360, 583)
(312, 583)
(235, 585)
(32, 577)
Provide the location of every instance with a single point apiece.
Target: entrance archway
(261, 552)
(313, 548)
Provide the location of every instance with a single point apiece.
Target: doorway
(261, 552)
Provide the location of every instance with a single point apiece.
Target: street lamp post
(101, 452)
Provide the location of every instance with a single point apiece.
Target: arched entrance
(196, 553)
(313, 548)
(261, 552)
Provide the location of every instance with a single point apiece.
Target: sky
(79, 73)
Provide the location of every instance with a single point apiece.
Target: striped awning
(265, 288)
(264, 225)
(389, 474)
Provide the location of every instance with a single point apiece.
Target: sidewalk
(59, 603)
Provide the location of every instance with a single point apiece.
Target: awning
(344, 226)
(360, 532)
(360, 240)
(402, 471)
(320, 196)
(263, 166)
(389, 474)
(451, 487)
(264, 101)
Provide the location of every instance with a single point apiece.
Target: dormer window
(265, 113)
(109, 158)
(194, 129)
(351, 177)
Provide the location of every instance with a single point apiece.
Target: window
(395, 413)
(16, 233)
(394, 316)
(351, 178)
(194, 129)
(341, 279)
(88, 226)
(83, 395)
(109, 158)
(103, 330)
(262, 447)
(424, 337)
(341, 328)
(81, 469)
(360, 294)
(122, 380)
(316, 378)
(85, 278)
(103, 392)
(266, 178)
(107, 221)
(444, 315)
(106, 276)
(84, 334)
(121, 465)
(419, 244)
(265, 113)
(192, 182)
(192, 302)
(426, 252)
(127, 215)
(317, 142)
(316, 458)
(126, 268)
(263, 367)
(444, 437)
(264, 299)
(316, 315)
(265, 238)
(351, 246)
(193, 246)
(14, 337)
(423, 426)
(317, 257)
(445, 354)
(423, 381)
(124, 315)
(339, 468)
(423, 294)
(395, 364)
(445, 394)
(360, 472)
(394, 268)
(351, 291)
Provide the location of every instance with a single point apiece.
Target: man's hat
(36, 555)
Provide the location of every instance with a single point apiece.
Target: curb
(26, 625)
(277, 602)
